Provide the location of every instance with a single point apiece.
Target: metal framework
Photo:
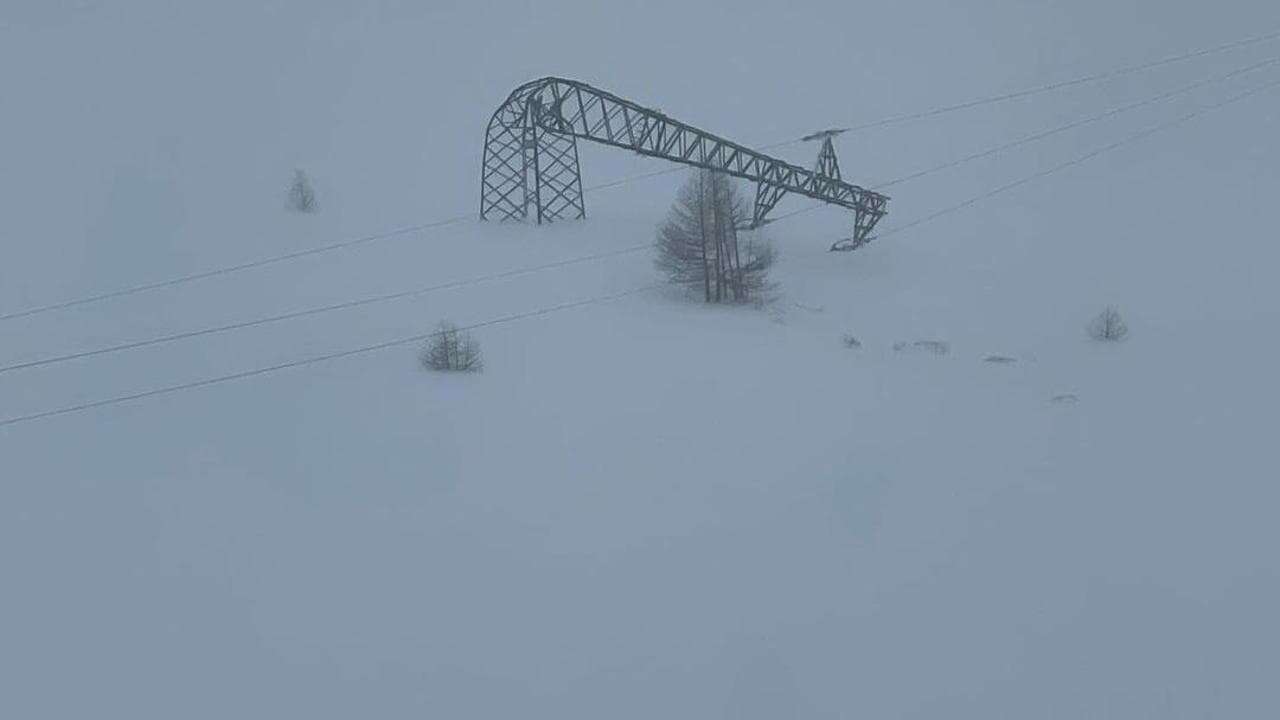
(531, 157)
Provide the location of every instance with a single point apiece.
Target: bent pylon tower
(531, 157)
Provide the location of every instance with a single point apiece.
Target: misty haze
(638, 359)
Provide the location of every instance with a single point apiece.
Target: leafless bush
(932, 347)
(851, 341)
(452, 350)
(1108, 326)
(301, 197)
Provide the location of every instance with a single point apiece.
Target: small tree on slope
(452, 350)
(302, 197)
(1108, 326)
(698, 244)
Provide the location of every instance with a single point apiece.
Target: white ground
(645, 508)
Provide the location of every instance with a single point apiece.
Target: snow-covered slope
(644, 507)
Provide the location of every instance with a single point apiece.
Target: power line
(991, 99)
(1083, 158)
(366, 349)
(608, 298)
(1075, 161)
(896, 119)
(633, 178)
(362, 350)
(182, 279)
(262, 262)
(1097, 77)
(1075, 124)
(319, 310)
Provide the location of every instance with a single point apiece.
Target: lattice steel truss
(531, 156)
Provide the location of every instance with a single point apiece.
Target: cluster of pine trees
(699, 244)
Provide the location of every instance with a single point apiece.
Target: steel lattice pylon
(525, 165)
(531, 156)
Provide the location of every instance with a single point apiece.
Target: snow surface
(644, 508)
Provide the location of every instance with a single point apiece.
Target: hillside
(644, 507)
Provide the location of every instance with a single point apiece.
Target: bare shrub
(851, 341)
(698, 245)
(452, 350)
(1108, 326)
(932, 347)
(302, 196)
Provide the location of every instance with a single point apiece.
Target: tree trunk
(702, 236)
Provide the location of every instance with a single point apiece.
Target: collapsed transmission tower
(531, 157)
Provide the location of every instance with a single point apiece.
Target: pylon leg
(527, 169)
